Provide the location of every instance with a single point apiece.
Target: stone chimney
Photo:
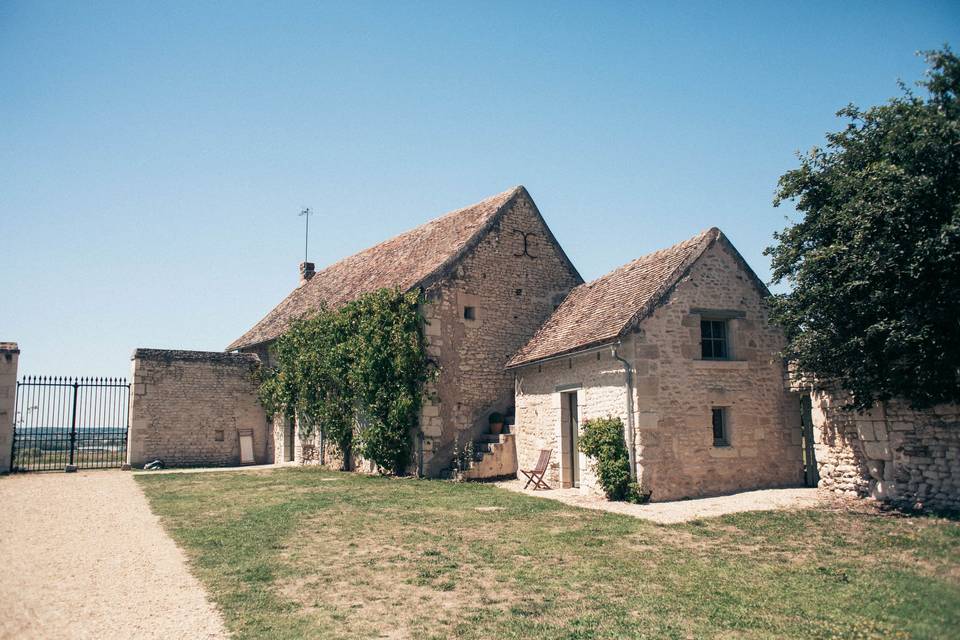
(306, 272)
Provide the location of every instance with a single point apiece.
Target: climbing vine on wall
(355, 373)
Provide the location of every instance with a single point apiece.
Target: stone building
(678, 344)
(491, 273)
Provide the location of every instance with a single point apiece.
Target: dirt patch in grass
(359, 579)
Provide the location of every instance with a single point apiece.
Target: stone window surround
(467, 301)
(724, 414)
(731, 318)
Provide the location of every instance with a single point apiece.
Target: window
(218, 435)
(713, 339)
(720, 436)
(469, 313)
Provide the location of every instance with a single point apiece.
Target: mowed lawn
(306, 553)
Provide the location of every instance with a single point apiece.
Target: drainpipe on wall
(628, 382)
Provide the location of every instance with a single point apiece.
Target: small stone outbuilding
(491, 273)
(679, 345)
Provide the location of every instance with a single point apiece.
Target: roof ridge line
(310, 289)
(707, 239)
(471, 243)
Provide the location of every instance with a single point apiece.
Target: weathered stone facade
(511, 275)
(187, 408)
(889, 453)
(9, 356)
(674, 391)
(511, 291)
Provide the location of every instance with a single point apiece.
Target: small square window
(469, 313)
(218, 435)
(713, 340)
(721, 437)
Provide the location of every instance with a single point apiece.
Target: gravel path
(682, 510)
(83, 557)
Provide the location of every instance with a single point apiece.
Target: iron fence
(65, 423)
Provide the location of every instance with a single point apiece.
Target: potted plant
(496, 423)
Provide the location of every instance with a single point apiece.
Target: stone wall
(542, 420)
(674, 392)
(890, 452)
(9, 356)
(187, 407)
(512, 293)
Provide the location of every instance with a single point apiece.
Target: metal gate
(70, 423)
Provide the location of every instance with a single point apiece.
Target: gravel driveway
(82, 556)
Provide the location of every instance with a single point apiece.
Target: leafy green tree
(874, 264)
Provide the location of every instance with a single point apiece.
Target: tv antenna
(306, 213)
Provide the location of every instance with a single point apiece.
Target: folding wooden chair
(535, 475)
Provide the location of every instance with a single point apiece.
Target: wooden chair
(535, 475)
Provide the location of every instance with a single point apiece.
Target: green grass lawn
(305, 553)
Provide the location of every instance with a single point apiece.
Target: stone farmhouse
(491, 273)
(676, 343)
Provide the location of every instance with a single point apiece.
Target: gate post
(9, 355)
(71, 466)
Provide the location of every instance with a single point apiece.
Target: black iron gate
(70, 423)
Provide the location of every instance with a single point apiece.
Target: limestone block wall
(513, 280)
(9, 357)
(674, 391)
(598, 381)
(186, 408)
(890, 453)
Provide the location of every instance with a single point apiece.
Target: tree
(874, 264)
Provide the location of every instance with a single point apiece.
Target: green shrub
(602, 440)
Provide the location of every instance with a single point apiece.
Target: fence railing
(70, 423)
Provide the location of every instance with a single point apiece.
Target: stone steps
(495, 456)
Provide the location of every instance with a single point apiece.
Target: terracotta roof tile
(405, 261)
(599, 311)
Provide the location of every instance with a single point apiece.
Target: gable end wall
(472, 353)
(674, 391)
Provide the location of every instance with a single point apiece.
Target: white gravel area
(681, 510)
(83, 556)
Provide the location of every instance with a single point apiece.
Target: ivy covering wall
(355, 373)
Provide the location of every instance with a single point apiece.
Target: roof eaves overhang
(576, 351)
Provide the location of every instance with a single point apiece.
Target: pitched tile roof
(408, 260)
(598, 312)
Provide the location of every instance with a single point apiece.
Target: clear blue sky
(154, 156)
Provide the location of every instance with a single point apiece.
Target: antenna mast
(305, 212)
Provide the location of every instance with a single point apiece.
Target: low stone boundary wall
(890, 453)
(187, 408)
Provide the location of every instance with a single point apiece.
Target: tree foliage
(874, 264)
(356, 373)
